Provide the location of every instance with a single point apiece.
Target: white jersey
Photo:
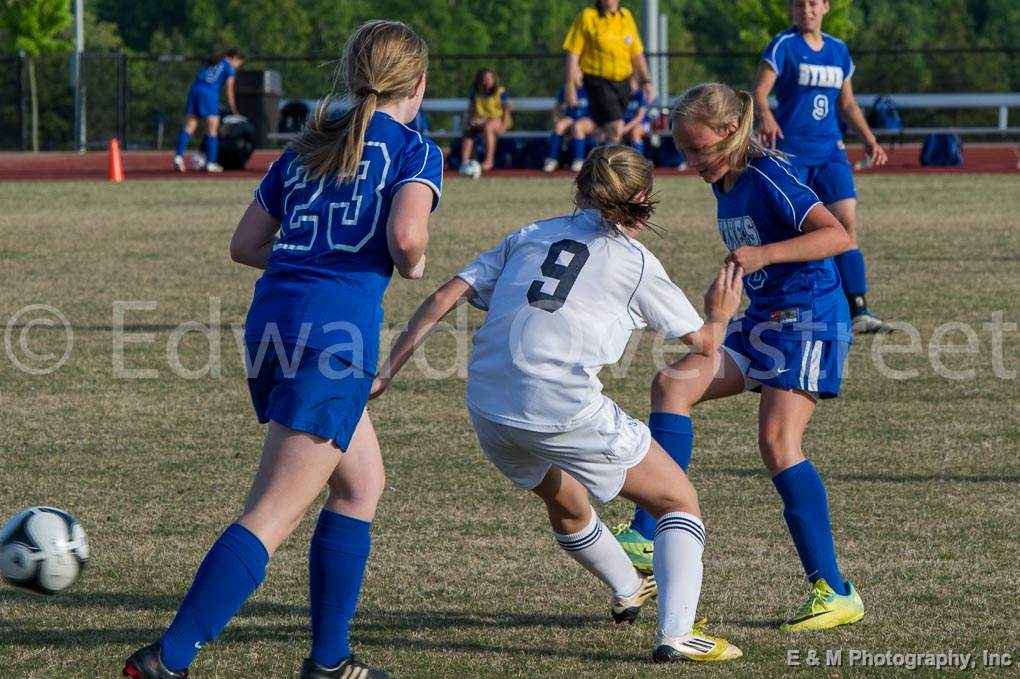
(564, 296)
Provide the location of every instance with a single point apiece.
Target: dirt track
(978, 158)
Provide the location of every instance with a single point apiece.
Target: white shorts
(598, 452)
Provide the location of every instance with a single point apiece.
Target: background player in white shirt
(563, 296)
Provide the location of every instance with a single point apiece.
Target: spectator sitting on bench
(636, 122)
(572, 119)
(488, 114)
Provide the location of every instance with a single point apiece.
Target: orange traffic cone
(114, 164)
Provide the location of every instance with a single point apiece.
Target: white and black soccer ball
(471, 169)
(43, 549)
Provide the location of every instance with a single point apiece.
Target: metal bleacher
(1001, 102)
(974, 100)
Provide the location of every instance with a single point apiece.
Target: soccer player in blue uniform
(573, 119)
(810, 72)
(347, 203)
(791, 344)
(204, 102)
(636, 118)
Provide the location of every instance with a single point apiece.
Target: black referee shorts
(606, 98)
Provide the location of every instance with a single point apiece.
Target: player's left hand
(749, 258)
(379, 385)
(877, 154)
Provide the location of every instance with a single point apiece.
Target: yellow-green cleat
(636, 546)
(824, 609)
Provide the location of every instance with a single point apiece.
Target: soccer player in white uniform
(563, 296)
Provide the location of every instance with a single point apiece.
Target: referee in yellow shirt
(605, 46)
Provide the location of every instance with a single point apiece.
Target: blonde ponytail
(717, 106)
(617, 180)
(382, 62)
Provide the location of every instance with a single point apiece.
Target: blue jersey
(574, 112)
(807, 86)
(637, 100)
(768, 205)
(212, 76)
(330, 266)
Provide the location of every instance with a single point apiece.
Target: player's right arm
(474, 284)
(573, 45)
(434, 309)
(721, 303)
(763, 84)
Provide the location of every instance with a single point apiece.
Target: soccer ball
(471, 169)
(43, 549)
(197, 160)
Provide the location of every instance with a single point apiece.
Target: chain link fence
(140, 99)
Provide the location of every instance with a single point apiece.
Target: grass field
(465, 580)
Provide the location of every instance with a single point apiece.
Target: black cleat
(351, 668)
(146, 663)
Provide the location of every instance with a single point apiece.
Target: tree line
(719, 40)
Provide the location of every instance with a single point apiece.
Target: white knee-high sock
(679, 543)
(596, 549)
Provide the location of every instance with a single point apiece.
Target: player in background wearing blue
(563, 296)
(636, 120)
(810, 72)
(204, 102)
(573, 119)
(345, 204)
(791, 345)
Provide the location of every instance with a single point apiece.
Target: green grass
(465, 580)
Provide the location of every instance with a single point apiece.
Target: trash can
(293, 116)
(237, 142)
(258, 99)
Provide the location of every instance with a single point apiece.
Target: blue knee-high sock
(806, 510)
(230, 572)
(638, 146)
(212, 148)
(336, 564)
(555, 142)
(676, 435)
(183, 138)
(578, 146)
(853, 272)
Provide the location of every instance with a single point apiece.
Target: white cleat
(626, 608)
(179, 164)
(550, 165)
(214, 168)
(695, 646)
(867, 324)
(576, 165)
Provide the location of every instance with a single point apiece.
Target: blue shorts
(202, 102)
(792, 361)
(314, 392)
(832, 181)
